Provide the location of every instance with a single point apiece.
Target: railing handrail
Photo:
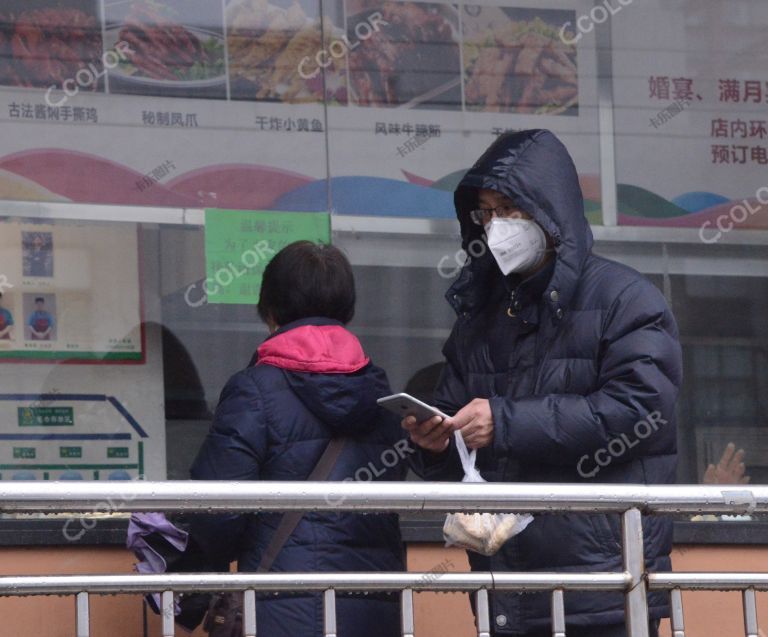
(629, 500)
(23, 585)
(399, 497)
(291, 582)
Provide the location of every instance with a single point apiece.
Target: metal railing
(631, 501)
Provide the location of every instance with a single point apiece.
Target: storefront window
(154, 155)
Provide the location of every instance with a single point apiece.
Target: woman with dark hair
(307, 401)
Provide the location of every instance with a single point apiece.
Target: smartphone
(406, 405)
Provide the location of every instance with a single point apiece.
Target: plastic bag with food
(484, 533)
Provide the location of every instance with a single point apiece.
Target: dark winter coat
(312, 382)
(592, 353)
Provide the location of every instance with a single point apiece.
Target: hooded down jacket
(311, 382)
(587, 392)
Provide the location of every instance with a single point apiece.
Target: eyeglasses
(481, 216)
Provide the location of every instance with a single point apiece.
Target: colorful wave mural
(59, 176)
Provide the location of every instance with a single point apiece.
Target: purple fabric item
(143, 524)
(150, 561)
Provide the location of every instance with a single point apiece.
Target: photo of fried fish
(267, 44)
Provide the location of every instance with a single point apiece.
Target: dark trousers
(598, 631)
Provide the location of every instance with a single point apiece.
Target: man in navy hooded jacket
(555, 356)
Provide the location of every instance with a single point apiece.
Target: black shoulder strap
(291, 519)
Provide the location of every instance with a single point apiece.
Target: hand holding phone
(406, 405)
(428, 426)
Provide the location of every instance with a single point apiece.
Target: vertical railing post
(636, 602)
(169, 614)
(82, 617)
(750, 613)
(329, 611)
(249, 613)
(677, 619)
(407, 613)
(558, 613)
(483, 613)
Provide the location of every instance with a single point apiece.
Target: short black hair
(307, 279)
(39, 299)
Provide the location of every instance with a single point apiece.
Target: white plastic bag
(484, 533)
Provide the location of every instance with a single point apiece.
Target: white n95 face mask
(518, 245)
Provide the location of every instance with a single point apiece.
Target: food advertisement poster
(58, 303)
(373, 108)
(692, 116)
(436, 84)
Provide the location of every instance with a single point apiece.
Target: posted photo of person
(37, 253)
(7, 319)
(40, 316)
(69, 293)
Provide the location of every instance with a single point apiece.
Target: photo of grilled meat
(46, 46)
(412, 60)
(163, 49)
(515, 61)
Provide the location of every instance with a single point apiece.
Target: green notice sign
(46, 416)
(24, 453)
(70, 452)
(239, 244)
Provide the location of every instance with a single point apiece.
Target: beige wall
(437, 614)
(707, 614)
(111, 616)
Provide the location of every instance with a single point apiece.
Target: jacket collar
(475, 287)
(525, 296)
(315, 344)
(313, 320)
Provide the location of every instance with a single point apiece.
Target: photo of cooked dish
(515, 61)
(411, 61)
(274, 49)
(164, 53)
(44, 44)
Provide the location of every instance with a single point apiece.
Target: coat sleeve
(639, 374)
(234, 449)
(450, 396)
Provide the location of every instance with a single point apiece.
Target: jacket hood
(327, 369)
(535, 170)
(325, 349)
